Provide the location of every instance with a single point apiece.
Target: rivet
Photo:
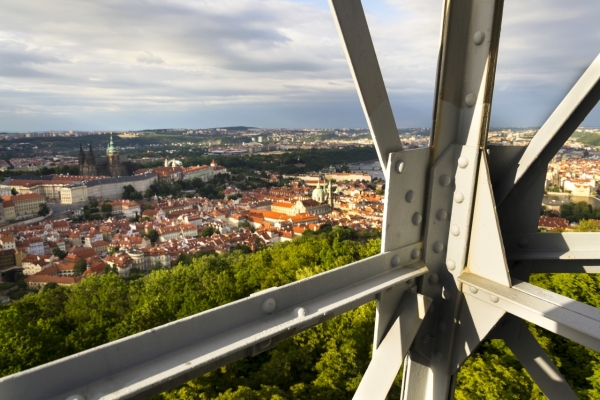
(438, 247)
(463, 162)
(265, 344)
(478, 37)
(300, 311)
(410, 196)
(426, 339)
(443, 326)
(395, 260)
(441, 215)
(417, 218)
(470, 99)
(473, 289)
(451, 264)
(415, 254)
(268, 305)
(434, 279)
(523, 242)
(494, 299)
(455, 230)
(400, 166)
(459, 197)
(445, 180)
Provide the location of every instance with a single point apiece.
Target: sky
(149, 64)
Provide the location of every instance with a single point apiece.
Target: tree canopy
(324, 362)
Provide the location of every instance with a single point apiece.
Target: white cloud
(262, 62)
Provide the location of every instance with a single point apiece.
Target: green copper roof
(111, 146)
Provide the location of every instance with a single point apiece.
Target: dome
(319, 194)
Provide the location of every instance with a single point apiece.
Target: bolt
(410, 196)
(473, 289)
(400, 166)
(470, 99)
(415, 254)
(300, 311)
(434, 279)
(417, 218)
(443, 327)
(445, 180)
(463, 162)
(268, 305)
(395, 260)
(451, 264)
(455, 230)
(523, 242)
(459, 197)
(441, 215)
(438, 247)
(479, 37)
(426, 339)
(494, 299)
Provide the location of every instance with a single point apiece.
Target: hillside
(325, 362)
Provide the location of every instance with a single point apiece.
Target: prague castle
(112, 165)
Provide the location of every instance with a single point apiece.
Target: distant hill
(591, 138)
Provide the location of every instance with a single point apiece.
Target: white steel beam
(538, 364)
(387, 358)
(569, 114)
(165, 357)
(561, 315)
(354, 32)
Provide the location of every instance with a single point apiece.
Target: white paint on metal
(360, 54)
(539, 366)
(486, 251)
(387, 358)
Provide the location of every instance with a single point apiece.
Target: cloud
(149, 58)
(210, 63)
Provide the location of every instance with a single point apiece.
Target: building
(73, 194)
(25, 205)
(112, 165)
(112, 188)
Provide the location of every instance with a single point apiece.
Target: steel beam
(561, 315)
(360, 53)
(387, 358)
(569, 114)
(165, 357)
(537, 363)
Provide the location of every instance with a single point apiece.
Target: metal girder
(387, 358)
(561, 315)
(569, 114)
(537, 363)
(354, 32)
(556, 252)
(165, 357)
(405, 183)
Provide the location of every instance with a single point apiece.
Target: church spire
(91, 155)
(111, 147)
(81, 156)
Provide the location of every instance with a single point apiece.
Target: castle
(112, 165)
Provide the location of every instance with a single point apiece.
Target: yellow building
(24, 204)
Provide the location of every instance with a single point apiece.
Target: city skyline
(264, 63)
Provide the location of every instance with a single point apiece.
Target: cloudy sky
(136, 64)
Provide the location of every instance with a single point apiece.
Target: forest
(324, 362)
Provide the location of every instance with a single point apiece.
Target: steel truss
(459, 243)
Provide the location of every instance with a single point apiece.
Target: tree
(152, 235)
(208, 231)
(44, 210)
(14, 192)
(59, 253)
(106, 208)
(80, 267)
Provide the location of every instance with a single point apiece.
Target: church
(112, 165)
